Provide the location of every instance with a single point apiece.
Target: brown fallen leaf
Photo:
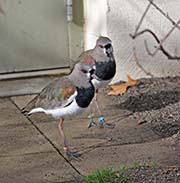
(141, 122)
(119, 89)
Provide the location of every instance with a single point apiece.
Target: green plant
(111, 175)
(108, 175)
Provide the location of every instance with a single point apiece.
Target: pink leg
(66, 146)
(101, 120)
(92, 123)
(61, 131)
(96, 102)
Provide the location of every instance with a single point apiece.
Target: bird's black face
(88, 71)
(92, 71)
(107, 49)
(108, 46)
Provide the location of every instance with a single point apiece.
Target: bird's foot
(102, 123)
(71, 155)
(109, 125)
(91, 124)
(91, 116)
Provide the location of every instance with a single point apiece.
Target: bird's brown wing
(84, 55)
(54, 95)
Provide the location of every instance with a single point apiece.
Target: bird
(105, 71)
(65, 97)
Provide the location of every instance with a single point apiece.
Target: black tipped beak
(93, 76)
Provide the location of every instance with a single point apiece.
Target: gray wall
(34, 35)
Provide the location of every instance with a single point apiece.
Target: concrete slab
(157, 152)
(99, 148)
(25, 155)
(22, 101)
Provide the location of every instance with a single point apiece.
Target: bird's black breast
(105, 70)
(85, 96)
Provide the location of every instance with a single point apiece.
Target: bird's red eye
(84, 71)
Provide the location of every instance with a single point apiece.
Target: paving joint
(24, 154)
(47, 139)
(102, 145)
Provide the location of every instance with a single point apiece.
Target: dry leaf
(141, 122)
(119, 89)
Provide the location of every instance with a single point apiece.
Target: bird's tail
(25, 110)
(35, 110)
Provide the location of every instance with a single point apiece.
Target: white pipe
(69, 10)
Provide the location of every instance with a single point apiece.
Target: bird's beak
(93, 76)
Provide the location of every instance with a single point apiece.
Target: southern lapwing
(66, 96)
(105, 70)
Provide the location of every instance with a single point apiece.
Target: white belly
(65, 112)
(99, 84)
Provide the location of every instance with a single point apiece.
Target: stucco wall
(120, 17)
(95, 21)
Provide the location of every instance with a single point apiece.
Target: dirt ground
(154, 174)
(155, 102)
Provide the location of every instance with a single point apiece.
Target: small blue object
(101, 119)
